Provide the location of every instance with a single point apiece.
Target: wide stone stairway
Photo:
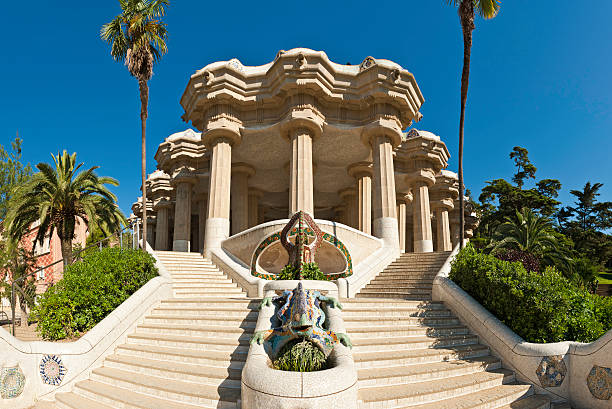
(188, 352)
(412, 352)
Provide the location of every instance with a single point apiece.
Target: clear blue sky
(541, 77)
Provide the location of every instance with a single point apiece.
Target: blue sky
(540, 78)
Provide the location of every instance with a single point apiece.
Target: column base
(423, 246)
(217, 230)
(181, 245)
(386, 228)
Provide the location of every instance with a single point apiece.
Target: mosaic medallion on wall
(600, 382)
(551, 371)
(52, 370)
(12, 382)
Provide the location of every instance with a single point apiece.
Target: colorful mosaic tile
(551, 371)
(599, 382)
(333, 240)
(52, 370)
(12, 382)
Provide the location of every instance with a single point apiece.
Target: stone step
(406, 374)
(221, 312)
(183, 391)
(211, 303)
(176, 269)
(117, 397)
(402, 280)
(373, 344)
(219, 331)
(386, 285)
(204, 284)
(208, 294)
(394, 295)
(422, 392)
(373, 360)
(71, 400)
(360, 321)
(205, 281)
(193, 318)
(44, 404)
(228, 291)
(187, 355)
(349, 304)
(237, 344)
(405, 330)
(228, 375)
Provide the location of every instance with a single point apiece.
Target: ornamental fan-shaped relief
(367, 63)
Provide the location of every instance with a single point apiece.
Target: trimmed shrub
(300, 355)
(310, 271)
(540, 307)
(90, 290)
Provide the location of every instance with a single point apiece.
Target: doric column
(182, 214)
(161, 227)
(350, 213)
(421, 218)
(409, 228)
(401, 222)
(240, 196)
(261, 214)
(151, 229)
(202, 204)
(217, 223)
(363, 173)
(301, 174)
(442, 195)
(254, 195)
(443, 229)
(340, 214)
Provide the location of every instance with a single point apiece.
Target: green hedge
(90, 290)
(540, 307)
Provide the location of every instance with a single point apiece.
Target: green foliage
(91, 289)
(12, 173)
(310, 271)
(300, 355)
(540, 307)
(524, 168)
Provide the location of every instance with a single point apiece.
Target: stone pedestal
(182, 215)
(161, 227)
(217, 222)
(421, 219)
(240, 197)
(301, 174)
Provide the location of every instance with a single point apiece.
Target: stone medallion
(551, 371)
(12, 382)
(52, 370)
(599, 382)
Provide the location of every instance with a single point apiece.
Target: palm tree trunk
(66, 247)
(144, 104)
(23, 306)
(466, 16)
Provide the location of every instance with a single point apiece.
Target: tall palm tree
(138, 37)
(58, 196)
(467, 8)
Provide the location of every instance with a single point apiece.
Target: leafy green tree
(138, 37)
(524, 168)
(591, 215)
(12, 173)
(58, 196)
(467, 9)
(17, 264)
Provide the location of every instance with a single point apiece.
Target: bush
(528, 260)
(90, 290)
(300, 355)
(310, 271)
(540, 307)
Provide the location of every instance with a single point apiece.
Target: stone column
(340, 214)
(301, 174)
(240, 197)
(421, 218)
(182, 214)
(363, 173)
(442, 194)
(454, 224)
(409, 229)
(443, 229)
(254, 195)
(202, 211)
(161, 227)
(401, 223)
(383, 192)
(261, 214)
(350, 213)
(151, 229)
(217, 221)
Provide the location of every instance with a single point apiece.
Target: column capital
(421, 177)
(382, 127)
(253, 191)
(441, 203)
(360, 169)
(404, 197)
(348, 192)
(222, 129)
(245, 168)
(162, 204)
(305, 119)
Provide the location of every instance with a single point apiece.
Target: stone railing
(567, 371)
(33, 363)
(264, 387)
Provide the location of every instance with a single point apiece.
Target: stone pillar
(454, 225)
(409, 229)
(443, 229)
(151, 229)
(182, 214)
(383, 192)
(340, 214)
(240, 197)
(350, 213)
(401, 223)
(301, 174)
(202, 212)
(161, 227)
(254, 195)
(442, 194)
(217, 221)
(363, 173)
(261, 214)
(421, 218)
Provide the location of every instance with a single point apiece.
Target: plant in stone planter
(310, 271)
(300, 355)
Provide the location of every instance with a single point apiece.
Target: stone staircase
(187, 353)
(412, 352)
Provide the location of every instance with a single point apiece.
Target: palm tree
(138, 38)
(466, 8)
(58, 197)
(16, 266)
